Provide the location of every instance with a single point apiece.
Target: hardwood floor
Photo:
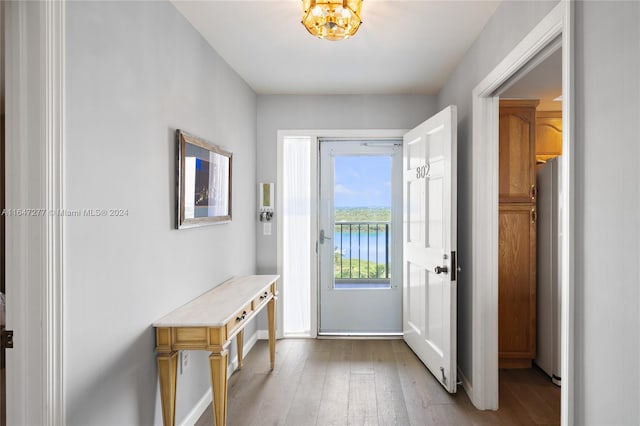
(370, 382)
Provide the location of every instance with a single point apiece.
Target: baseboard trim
(263, 334)
(197, 411)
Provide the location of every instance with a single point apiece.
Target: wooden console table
(208, 323)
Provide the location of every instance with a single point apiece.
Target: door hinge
(6, 339)
(534, 216)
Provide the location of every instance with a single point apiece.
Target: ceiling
(401, 47)
(544, 82)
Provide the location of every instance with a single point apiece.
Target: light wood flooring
(372, 382)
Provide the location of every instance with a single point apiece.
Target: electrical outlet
(184, 361)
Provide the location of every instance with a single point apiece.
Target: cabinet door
(548, 135)
(517, 285)
(517, 151)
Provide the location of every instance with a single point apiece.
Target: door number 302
(422, 171)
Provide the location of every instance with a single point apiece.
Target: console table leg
(271, 314)
(240, 341)
(218, 365)
(167, 371)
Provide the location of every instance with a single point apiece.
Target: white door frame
(342, 321)
(484, 391)
(315, 135)
(35, 180)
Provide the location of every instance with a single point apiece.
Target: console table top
(218, 306)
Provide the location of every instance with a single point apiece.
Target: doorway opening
(554, 29)
(427, 246)
(359, 240)
(297, 232)
(530, 142)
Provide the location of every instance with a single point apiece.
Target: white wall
(136, 71)
(291, 112)
(607, 259)
(607, 255)
(510, 23)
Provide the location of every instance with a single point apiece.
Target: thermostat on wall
(265, 191)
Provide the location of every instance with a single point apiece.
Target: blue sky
(362, 181)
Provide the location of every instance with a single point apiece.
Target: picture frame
(204, 172)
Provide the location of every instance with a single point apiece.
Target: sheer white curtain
(296, 223)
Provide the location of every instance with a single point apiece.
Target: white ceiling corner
(402, 46)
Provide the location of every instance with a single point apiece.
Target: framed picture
(204, 182)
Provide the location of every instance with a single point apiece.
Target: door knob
(441, 270)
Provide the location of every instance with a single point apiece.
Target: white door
(360, 237)
(429, 244)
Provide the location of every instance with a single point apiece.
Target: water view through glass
(362, 200)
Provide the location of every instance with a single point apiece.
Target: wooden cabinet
(517, 234)
(517, 151)
(517, 285)
(548, 135)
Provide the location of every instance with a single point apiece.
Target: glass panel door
(359, 237)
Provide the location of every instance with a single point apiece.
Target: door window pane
(362, 216)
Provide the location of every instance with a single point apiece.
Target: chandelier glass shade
(331, 19)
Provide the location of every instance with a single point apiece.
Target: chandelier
(331, 19)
